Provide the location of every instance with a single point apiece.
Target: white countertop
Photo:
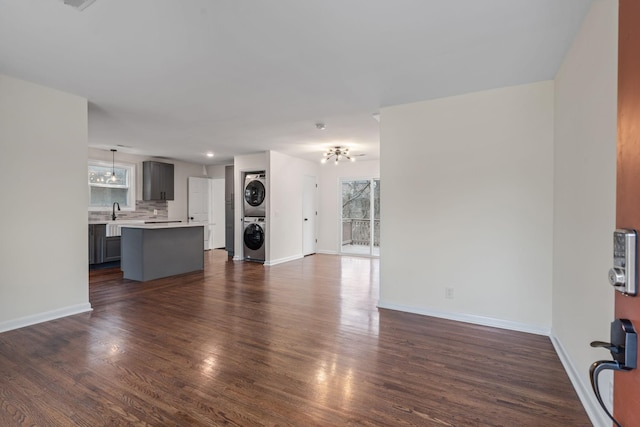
(163, 225)
(113, 227)
(121, 221)
(135, 221)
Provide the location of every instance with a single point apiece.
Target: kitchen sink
(113, 228)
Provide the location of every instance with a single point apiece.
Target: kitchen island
(152, 251)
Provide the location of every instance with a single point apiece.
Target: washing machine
(255, 194)
(254, 238)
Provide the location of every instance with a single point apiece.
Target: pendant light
(113, 165)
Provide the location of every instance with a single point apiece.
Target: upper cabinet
(157, 181)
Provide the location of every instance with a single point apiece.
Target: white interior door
(199, 203)
(218, 214)
(309, 214)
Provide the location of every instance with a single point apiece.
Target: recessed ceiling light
(320, 126)
(209, 154)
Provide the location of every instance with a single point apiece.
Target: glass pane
(104, 176)
(105, 196)
(254, 193)
(356, 214)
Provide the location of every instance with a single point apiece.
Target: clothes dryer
(254, 238)
(255, 194)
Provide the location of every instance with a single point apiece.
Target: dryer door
(254, 193)
(253, 236)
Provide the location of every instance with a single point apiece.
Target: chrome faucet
(113, 215)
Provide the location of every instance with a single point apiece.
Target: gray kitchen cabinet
(111, 249)
(102, 248)
(152, 251)
(229, 226)
(97, 233)
(92, 244)
(157, 181)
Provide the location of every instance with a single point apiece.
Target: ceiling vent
(79, 4)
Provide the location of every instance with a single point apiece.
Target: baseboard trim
(470, 318)
(46, 316)
(586, 396)
(327, 252)
(283, 260)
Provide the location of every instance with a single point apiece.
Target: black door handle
(611, 347)
(306, 219)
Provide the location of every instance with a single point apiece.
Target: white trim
(237, 258)
(357, 255)
(586, 396)
(21, 322)
(283, 260)
(327, 252)
(471, 318)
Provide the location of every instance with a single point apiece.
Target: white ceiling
(178, 78)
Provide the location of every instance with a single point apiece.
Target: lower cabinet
(92, 244)
(112, 249)
(102, 248)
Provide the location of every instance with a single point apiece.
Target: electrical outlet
(448, 293)
(155, 211)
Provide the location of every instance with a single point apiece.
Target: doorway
(199, 205)
(309, 214)
(206, 206)
(360, 217)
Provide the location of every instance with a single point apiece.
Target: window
(105, 188)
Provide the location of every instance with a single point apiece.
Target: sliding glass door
(360, 219)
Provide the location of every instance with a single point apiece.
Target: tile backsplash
(144, 210)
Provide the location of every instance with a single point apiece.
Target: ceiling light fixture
(79, 4)
(320, 126)
(209, 154)
(113, 165)
(337, 153)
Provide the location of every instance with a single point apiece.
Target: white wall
(285, 218)
(216, 171)
(177, 208)
(467, 203)
(585, 197)
(43, 171)
(329, 206)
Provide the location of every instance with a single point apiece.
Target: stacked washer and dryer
(254, 214)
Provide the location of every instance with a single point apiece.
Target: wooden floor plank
(299, 344)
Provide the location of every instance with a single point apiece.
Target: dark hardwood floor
(299, 344)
